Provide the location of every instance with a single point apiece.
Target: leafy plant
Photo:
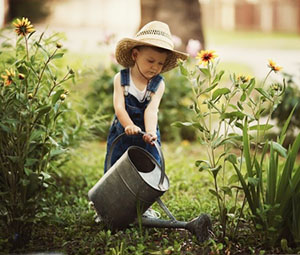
(100, 101)
(225, 117)
(34, 132)
(290, 100)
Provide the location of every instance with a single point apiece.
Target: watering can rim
(162, 188)
(162, 165)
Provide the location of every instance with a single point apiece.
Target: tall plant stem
(27, 51)
(42, 73)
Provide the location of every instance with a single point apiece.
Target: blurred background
(244, 33)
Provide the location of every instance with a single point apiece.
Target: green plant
(100, 101)
(290, 100)
(225, 117)
(34, 131)
(174, 106)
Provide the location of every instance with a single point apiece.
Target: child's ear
(134, 54)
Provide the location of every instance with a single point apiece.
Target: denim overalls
(136, 110)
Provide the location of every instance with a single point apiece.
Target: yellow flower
(206, 56)
(23, 26)
(273, 66)
(8, 77)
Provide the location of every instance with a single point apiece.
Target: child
(139, 88)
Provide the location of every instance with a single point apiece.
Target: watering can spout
(201, 226)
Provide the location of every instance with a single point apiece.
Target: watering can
(131, 186)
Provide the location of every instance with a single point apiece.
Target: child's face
(149, 60)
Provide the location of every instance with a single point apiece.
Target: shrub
(290, 100)
(34, 130)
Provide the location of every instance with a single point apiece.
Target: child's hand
(149, 138)
(132, 130)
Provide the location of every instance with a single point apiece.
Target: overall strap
(153, 86)
(154, 83)
(125, 80)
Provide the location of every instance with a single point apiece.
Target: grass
(70, 228)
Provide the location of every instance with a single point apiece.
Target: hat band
(154, 32)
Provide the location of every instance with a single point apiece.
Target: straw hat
(156, 34)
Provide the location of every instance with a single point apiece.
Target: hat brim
(124, 57)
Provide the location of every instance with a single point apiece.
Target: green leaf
(214, 193)
(36, 134)
(262, 127)
(240, 106)
(183, 70)
(189, 124)
(246, 149)
(57, 152)
(14, 159)
(205, 71)
(233, 115)
(220, 92)
(243, 97)
(245, 187)
(200, 162)
(284, 180)
(209, 89)
(27, 171)
(30, 161)
(43, 50)
(216, 170)
(271, 178)
(264, 93)
(226, 190)
(58, 55)
(253, 181)
(180, 124)
(218, 77)
(233, 179)
(279, 148)
(285, 126)
(53, 141)
(43, 110)
(57, 95)
(5, 128)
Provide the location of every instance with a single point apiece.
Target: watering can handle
(160, 184)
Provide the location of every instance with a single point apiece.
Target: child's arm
(120, 110)
(151, 112)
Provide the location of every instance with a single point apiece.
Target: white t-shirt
(133, 90)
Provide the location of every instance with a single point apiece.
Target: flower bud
(58, 45)
(66, 92)
(62, 97)
(21, 76)
(30, 96)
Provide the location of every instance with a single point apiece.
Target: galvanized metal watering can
(131, 186)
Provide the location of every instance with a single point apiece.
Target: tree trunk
(182, 16)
